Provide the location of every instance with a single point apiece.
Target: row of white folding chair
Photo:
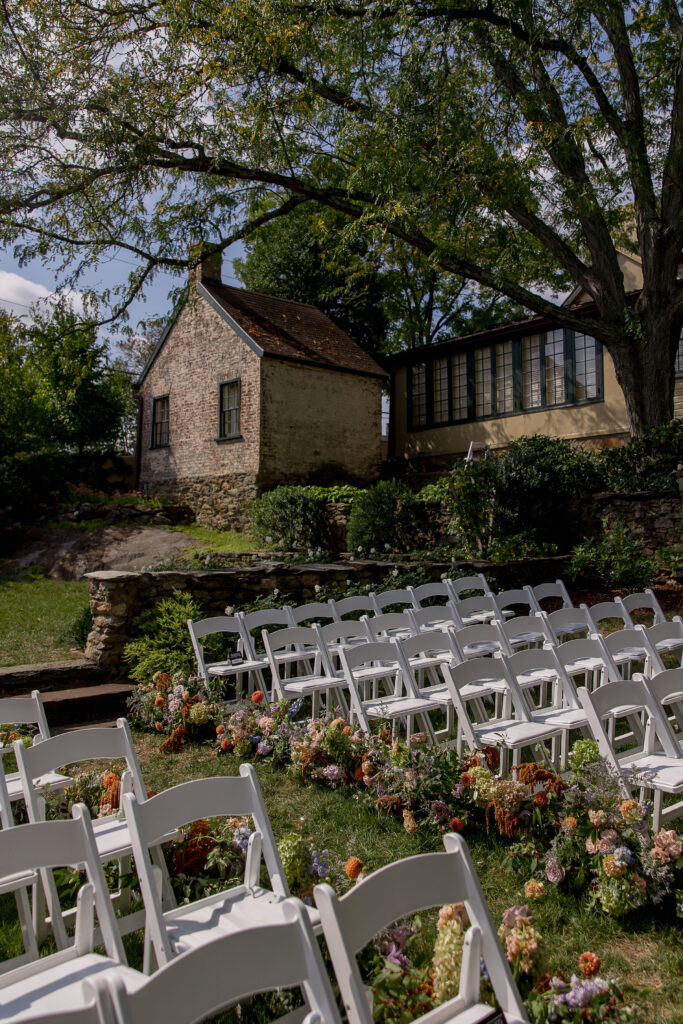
(111, 833)
(284, 955)
(52, 984)
(655, 761)
(27, 711)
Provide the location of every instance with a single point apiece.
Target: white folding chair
(425, 653)
(468, 584)
(170, 932)
(510, 601)
(111, 831)
(54, 983)
(535, 666)
(650, 770)
(18, 885)
(569, 622)
(480, 640)
(388, 598)
(388, 625)
(527, 631)
(667, 689)
(242, 662)
(551, 592)
(667, 638)
(27, 711)
(382, 662)
(473, 610)
(307, 614)
(628, 647)
(406, 887)
(507, 732)
(350, 605)
(606, 610)
(195, 985)
(643, 601)
(589, 659)
(429, 591)
(437, 616)
(310, 676)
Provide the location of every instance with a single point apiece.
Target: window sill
(231, 437)
(156, 447)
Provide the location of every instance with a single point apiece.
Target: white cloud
(18, 294)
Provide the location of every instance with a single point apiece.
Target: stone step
(51, 675)
(99, 704)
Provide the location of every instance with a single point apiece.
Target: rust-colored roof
(292, 330)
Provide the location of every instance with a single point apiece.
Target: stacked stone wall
(221, 502)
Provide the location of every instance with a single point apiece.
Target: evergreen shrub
(386, 517)
(291, 518)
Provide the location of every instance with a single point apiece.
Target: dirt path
(67, 553)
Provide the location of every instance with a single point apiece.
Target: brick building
(246, 391)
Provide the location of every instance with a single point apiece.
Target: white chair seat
(440, 695)
(584, 665)
(534, 676)
(424, 661)
(526, 638)
(60, 988)
(480, 649)
(665, 772)
(515, 733)
(10, 883)
(227, 668)
(305, 684)
(470, 1015)
(667, 646)
(52, 781)
(565, 718)
(396, 707)
(629, 654)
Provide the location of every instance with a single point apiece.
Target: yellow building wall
(603, 422)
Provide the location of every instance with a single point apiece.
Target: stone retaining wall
(118, 598)
(654, 520)
(221, 502)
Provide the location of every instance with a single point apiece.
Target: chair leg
(657, 811)
(28, 934)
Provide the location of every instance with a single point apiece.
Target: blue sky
(22, 286)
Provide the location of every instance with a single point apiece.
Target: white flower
(443, 576)
(394, 572)
(276, 592)
(372, 551)
(269, 539)
(348, 583)
(316, 588)
(229, 609)
(387, 547)
(360, 547)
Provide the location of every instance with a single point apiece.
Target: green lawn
(218, 540)
(35, 617)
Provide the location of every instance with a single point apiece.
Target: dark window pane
(504, 378)
(531, 372)
(229, 425)
(459, 377)
(586, 367)
(482, 382)
(554, 368)
(440, 385)
(160, 422)
(679, 357)
(418, 403)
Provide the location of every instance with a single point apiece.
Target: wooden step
(51, 675)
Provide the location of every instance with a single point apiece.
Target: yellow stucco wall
(597, 420)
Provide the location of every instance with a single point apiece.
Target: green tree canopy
(57, 387)
(517, 145)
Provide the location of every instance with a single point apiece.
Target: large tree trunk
(645, 367)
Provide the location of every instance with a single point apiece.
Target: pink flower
(597, 818)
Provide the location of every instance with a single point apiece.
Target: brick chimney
(208, 270)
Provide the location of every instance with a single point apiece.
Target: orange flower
(541, 799)
(110, 779)
(346, 730)
(158, 726)
(226, 745)
(159, 701)
(456, 824)
(161, 680)
(220, 729)
(589, 964)
(353, 867)
(257, 697)
(467, 779)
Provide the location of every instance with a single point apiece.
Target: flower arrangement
(603, 846)
(175, 706)
(208, 854)
(581, 999)
(304, 866)
(256, 730)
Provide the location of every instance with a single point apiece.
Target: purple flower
(332, 772)
(398, 958)
(440, 810)
(624, 857)
(554, 872)
(512, 915)
(263, 748)
(583, 991)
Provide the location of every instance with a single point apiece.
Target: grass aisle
(646, 954)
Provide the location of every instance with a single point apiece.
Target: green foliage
(583, 752)
(345, 494)
(474, 503)
(386, 517)
(164, 643)
(291, 518)
(616, 558)
(646, 463)
(80, 627)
